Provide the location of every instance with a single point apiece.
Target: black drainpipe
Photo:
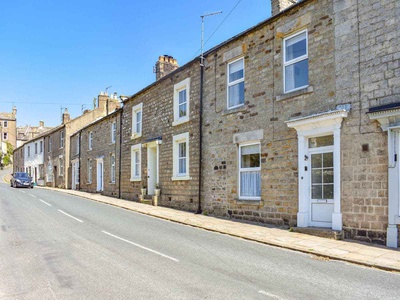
(199, 210)
(120, 154)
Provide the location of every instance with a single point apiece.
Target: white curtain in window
(250, 183)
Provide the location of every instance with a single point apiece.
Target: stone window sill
(177, 178)
(293, 94)
(233, 110)
(253, 202)
(180, 121)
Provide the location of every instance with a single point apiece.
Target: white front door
(152, 167)
(100, 172)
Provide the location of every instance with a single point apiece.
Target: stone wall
(157, 101)
(102, 148)
(52, 158)
(367, 43)
(266, 109)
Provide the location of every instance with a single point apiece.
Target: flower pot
(157, 192)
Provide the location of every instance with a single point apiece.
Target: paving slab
(350, 251)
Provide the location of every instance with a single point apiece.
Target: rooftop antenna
(107, 89)
(83, 107)
(202, 33)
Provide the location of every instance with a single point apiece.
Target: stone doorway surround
(388, 117)
(326, 123)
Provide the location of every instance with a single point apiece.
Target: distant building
(8, 125)
(27, 132)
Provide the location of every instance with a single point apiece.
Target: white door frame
(100, 175)
(74, 173)
(327, 123)
(390, 121)
(152, 165)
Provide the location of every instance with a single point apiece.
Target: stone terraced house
(289, 130)
(160, 137)
(95, 156)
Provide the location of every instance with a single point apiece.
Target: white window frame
(229, 84)
(293, 61)
(5, 136)
(181, 86)
(90, 140)
(61, 139)
(61, 166)
(113, 132)
(5, 124)
(41, 147)
(135, 110)
(177, 139)
(136, 151)
(77, 144)
(112, 167)
(36, 148)
(89, 170)
(29, 151)
(240, 170)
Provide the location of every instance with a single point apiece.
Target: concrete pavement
(350, 251)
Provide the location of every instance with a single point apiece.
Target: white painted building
(34, 160)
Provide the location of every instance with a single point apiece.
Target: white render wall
(34, 160)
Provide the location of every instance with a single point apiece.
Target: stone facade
(155, 142)
(8, 128)
(353, 66)
(54, 157)
(18, 160)
(104, 149)
(265, 109)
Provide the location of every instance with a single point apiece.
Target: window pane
(250, 156)
(328, 160)
(250, 184)
(316, 161)
(328, 175)
(236, 94)
(320, 141)
(182, 96)
(296, 75)
(236, 70)
(328, 191)
(182, 165)
(182, 150)
(316, 192)
(296, 46)
(316, 176)
(182, 110)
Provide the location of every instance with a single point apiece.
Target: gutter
(199, 210)
(120, 154)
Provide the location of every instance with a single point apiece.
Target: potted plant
(143, 190)
(157, 190)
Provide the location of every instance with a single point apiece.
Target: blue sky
(57, 54)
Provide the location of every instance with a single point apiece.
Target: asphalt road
(58, 246)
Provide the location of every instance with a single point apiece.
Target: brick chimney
(165, 65)
(66, 117)
(278, 5)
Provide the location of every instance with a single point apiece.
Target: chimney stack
(66, 116)
(14, 111)
(41, 123)
(165, 65)
(278, 5)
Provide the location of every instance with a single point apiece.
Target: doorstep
(320, 232)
